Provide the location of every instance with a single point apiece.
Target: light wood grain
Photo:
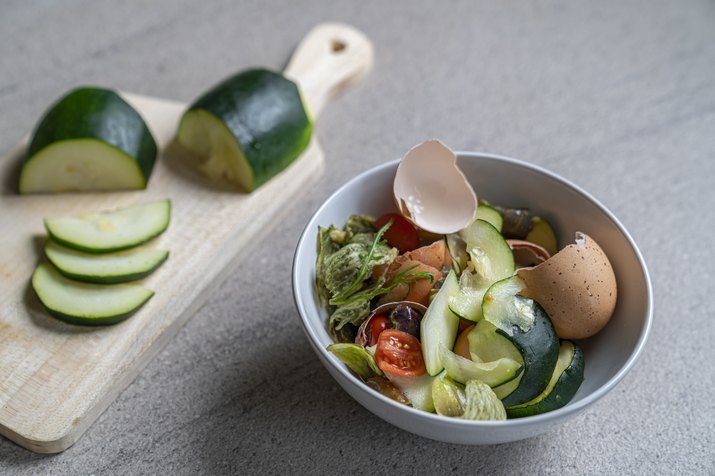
(55, 378)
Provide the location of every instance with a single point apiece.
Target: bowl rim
(567, 410)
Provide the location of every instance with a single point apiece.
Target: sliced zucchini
(565, 382)
(490, 214)
(505, 308)
(489, 252)
(91, 139)
(85, 303)
(417, 389)
(467, 304)
(111, 231)
(439, 325)
(108, 268)
(448, 396)
(490, 260)
(492, 373)
(538, 344)
(485, 344)
(543, 235)
(248, 128)
(457, 249)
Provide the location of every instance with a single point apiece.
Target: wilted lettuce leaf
(354, 313)
(343, 266)
(359, 224)
(362, 238)
(357, 358)
(366, 293)
(482, 403)
(326, 247)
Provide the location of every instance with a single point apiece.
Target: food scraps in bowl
(473, 324)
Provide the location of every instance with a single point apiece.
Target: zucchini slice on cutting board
(108, 268)
(91, 139)
(113, 230)
(85, 303)
(248, 128)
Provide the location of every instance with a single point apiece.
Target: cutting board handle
(331, 57)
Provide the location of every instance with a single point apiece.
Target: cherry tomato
(377, 324)
(399, 353)
(402, 234)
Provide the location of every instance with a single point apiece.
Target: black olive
(406, 319)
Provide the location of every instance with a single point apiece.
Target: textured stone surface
(616, 96)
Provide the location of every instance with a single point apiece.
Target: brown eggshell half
(576, 287)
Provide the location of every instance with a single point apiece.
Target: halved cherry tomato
(399, 353)
(402, 234)
(377, 324)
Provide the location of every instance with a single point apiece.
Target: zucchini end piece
(208, 138)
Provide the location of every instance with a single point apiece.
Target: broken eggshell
(576, 287)
(431, 191)
(527, 253)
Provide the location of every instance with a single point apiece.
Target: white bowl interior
(608, 356)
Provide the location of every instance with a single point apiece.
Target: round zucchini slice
(564, 383)
(108, 268)
(113, 230)
(89, 140)
(85, 303)
(248, 128)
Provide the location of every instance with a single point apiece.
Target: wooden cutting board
(55, 378)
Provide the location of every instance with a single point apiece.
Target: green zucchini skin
(94, 321)
(70, 241)
(100, 114)
(265, 113)
(108, 278)
(566, 387)
(47, 282)
(539, 347)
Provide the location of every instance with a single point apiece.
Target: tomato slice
(399, 353)
(377, 324)
(402, 234)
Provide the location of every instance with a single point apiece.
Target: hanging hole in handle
(338, 45)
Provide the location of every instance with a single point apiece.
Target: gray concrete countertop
(616, 96)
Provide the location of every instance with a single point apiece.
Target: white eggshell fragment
(576, 287)
(431, 191)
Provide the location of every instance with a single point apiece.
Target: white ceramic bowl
(609, 355)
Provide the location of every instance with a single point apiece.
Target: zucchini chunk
(564, 383)
(525, 324)
(248, 128)
(108, 268)
(84, 303)
(113, 230)
(91, 139)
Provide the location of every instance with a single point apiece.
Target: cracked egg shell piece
(576, 287)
